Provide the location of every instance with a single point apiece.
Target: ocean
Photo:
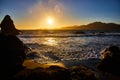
(47, 46)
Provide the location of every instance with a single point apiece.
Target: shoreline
(90, 63)
(32, 65)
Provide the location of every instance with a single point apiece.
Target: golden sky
(35, 14)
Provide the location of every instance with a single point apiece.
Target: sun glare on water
(50, 41)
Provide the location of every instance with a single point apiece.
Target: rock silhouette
(56, 73)
(95, 26)
(110, 61)
(8, 27)
(12, 49)
(13, 54)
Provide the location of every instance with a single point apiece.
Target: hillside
(95, 26)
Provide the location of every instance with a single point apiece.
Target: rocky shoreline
(15, 66)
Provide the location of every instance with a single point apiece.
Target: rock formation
(12, 49)
(8, 27)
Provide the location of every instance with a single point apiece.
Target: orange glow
(50, 21)
(42, 17)
(57, 64)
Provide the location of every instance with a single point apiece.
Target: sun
(50, 21)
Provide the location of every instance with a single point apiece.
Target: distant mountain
(95, 26)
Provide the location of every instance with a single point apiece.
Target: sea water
(60, 46)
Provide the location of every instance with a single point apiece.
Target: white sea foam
(55, 49)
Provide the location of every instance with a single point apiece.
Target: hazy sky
(33, 14)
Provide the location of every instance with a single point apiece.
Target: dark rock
(56, 73)
(8, 27)
(32, 74)
(51, 73)
(59, 73)
(79, 32)
(82, 73)
(13, 54)
(110, 61)
(13, 51)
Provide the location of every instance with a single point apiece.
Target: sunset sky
(43, 14)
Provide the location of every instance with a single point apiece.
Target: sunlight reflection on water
(50, 41)
(57, 49)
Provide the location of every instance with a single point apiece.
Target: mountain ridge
(94, 26)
